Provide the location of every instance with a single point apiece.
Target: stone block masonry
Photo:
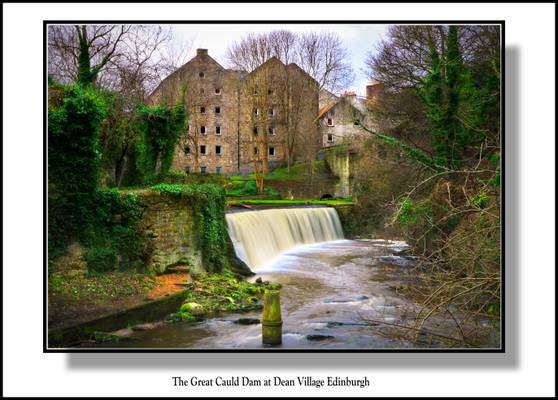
(237, 119)
(170, 227)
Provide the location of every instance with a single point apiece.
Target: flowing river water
(336, 293)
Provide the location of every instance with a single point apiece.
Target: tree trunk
(120, 170)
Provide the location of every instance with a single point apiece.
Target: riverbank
(113, 315)
(336, 295)
(307, 202)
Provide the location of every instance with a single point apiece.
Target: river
(329, 290)
(336, 293)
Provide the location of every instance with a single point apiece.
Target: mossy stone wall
(347, 219)
(170, 226)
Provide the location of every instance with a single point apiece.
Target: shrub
(248, 188)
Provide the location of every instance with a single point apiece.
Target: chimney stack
(202, 52)
(374, 90)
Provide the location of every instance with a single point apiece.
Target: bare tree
(261, 97)
(295, 90)
(401, 60)
(79, 53)
(130, 59)
(321, 55)
(325, 58)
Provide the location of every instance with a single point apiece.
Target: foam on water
(259, 237)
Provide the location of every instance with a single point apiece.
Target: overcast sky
(359, 39)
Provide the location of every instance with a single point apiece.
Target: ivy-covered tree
(86, 72)
(457, 110)
(433, 95)
(161, 128)
(73, 160)
(119, 134)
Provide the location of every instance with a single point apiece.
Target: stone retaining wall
(170, 225)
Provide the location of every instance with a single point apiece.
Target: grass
(292, 202)
(99, 288)
(298, 172)
(248, 188)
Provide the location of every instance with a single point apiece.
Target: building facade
(238, 121)
(341, 120)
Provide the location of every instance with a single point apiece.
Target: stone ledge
(147, 312)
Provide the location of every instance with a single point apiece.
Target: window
(201, 74)
(271, 112)
(202, 110)
(357, 122)
(271, 130)
(218, 170)
(202, 91)
(187, 150)
(255, 92)
(255, 150)
(203, 149)
(256, 111)
(202, 129)
(217, 90)
(271, 151)
(255, 130)
(217, 110)
(269, 91)
(330, 137)
(187, 170)
(330, 122)
(218, 150)
(203, 170)
(218, 130)
(188, 127)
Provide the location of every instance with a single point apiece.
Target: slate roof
(327, 107)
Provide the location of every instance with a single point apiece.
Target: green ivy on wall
(103, 221)
(161, 127)
(73, 162)
(208, 203)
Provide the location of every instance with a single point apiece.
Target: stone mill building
(239, 120)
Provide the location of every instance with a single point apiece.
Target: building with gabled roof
(238, 119)
(340, 121)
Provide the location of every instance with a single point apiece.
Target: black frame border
(46, 349)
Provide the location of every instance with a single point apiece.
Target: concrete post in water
(272, 325)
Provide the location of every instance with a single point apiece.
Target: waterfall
(260, 236)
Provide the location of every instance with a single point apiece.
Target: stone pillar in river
(272, 325)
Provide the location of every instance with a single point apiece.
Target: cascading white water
(260, 236)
